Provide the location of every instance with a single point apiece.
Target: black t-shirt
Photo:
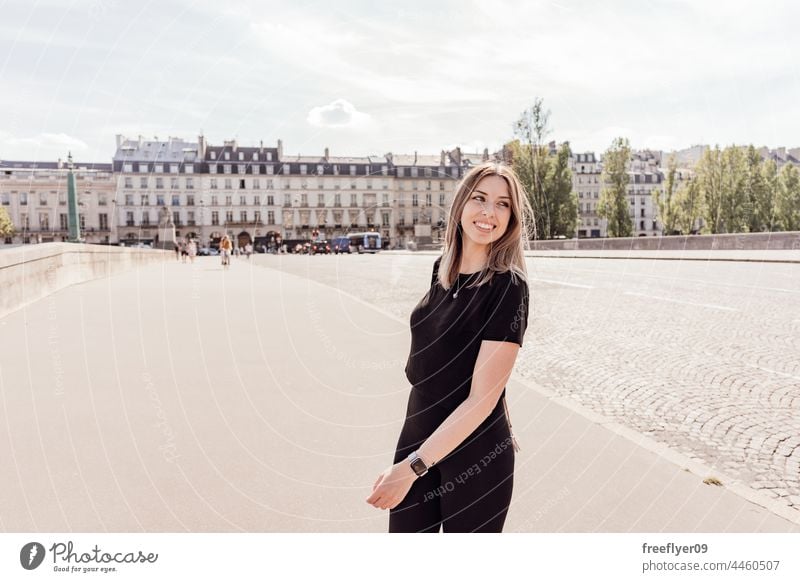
(446, 332)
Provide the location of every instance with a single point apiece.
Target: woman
(454, 462)
(225, 246)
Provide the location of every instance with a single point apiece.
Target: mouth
(484, 226)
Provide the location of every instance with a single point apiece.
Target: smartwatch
(419, 466)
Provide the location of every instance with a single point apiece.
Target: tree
(613, 204)
(735, 209)
(788, 202)
(6, 227)
(709, 180)
(545, 175)
(766, 203)
(691, 206)
(665, 201)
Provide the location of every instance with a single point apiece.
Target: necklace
(459, 285)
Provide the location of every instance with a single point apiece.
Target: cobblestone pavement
(701, 356)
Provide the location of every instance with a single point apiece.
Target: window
(320, 169)
(428, 199)
(214, 218)
(641, 224)
(385, 218)
(287, 199)
(257, 217)
(269, 156)
(142, 168)
(143, 182)
(176, 200)
(146, 218)
(44, 221)
(441, 185)
(128, 199)
(103, 219)
(415, 200)
(128, 182)
(127, 167)
(190, 183)
(642, 210)
(159, 200)
(270, 217)
(337, 199)
(386, 199)
(270, 200)
(190, 200)
(269, 184)
(228, 183)
(414, 174)
(214, 201)
(228, 200)
(229, 216)
(243, 215)
(303, 199)
(62, 220)
(174, 184)
(213, 155)
(303, 169)
(242, 200)
(159, 183)
(241, 184)
(212, 168)
(352, 184)
(128, 220)
(145, 200)
(353, 199)
(257, 200)
(23, 218)
(176, 217)
(270, 169)
(320, 199)
(158, 168)
(256, 169)
(6, 199)
(227, 155)
(352, 170)
(256, 184)
(190, 217)
(226, 168)
(188, 169)
(441, 199)
(174, 168)
(241, 169)
(42, 199)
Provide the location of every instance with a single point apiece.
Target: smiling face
(487, 212)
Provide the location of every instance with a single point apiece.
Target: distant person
(248, 250)
(177, 251)
(225, 246)
(454, 462)
(192, 250)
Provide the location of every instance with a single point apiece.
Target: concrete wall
(740, 242)
(31, 272)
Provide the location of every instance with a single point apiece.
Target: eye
(477, 197)
(505, 204)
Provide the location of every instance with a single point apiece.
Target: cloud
(338, 113)
(41, 146)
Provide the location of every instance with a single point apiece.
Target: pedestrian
(248, 250)
(454, 462)
(192, 250)
(225, 247)
(177, 251)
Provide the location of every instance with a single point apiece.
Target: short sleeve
(507, 309)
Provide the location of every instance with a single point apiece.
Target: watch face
(419, 466)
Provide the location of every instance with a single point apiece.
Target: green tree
(562, 200)
(709, 180)
(691, 207)
(544, 174)
(6, 227)
(613, 204)
(766, 203)
(736, 208)
(756, 195)
(666, 200)
(788, 202)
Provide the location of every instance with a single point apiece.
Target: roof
(154, 150)
(58, 165)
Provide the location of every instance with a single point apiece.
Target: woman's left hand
(392, 486)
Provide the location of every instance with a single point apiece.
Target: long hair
(505, 254)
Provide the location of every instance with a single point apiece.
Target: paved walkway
(183, 398)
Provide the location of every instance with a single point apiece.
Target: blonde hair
(507, 253)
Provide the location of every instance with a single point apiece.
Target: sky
(367, 78)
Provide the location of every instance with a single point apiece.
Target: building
(35, 196)
(587, 183)
(645, 175)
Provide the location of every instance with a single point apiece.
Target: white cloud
(338, 113)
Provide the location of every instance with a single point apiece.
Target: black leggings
(467, 491)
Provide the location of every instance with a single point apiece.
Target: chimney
(327, 154)
(280, 149)
(389, 158)
(261, 145)
(201, 146)
(442, 158)
(120, 140)
(485, 156)
(415, 157)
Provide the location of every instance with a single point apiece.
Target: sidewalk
(180, 397)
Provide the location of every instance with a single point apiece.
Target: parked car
(208, 252)
(341, 244)
(320, 247)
